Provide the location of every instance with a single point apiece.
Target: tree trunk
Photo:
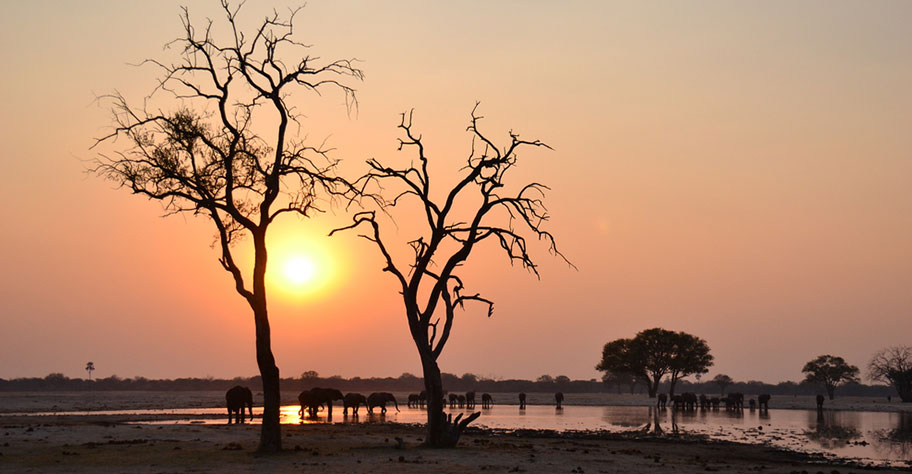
(443, 431)
(831, 391)
(653, 386)
(434, 387)
(270, 434)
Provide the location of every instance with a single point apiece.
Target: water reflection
(833, 429)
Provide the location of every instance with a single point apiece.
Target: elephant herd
(316, 399)
(732, 402)
(312, 401)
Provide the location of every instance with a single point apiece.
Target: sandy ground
(109, 443)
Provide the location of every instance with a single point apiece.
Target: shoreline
(80, 444)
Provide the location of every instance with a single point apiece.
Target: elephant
(820, 400)
(735, 401)
(461, 400)
(677, 402)
(380, 399)
(422, 398)
(704, 402)
(715, 402)
(662, 400)
(237, 398)
(312, 399)
(764, 401)
(559, 399)
(454, 400)
(486, 400)
(353, 400)
(522, 400)
(752, 404)
(689, 400)
(413, 400)
(470, 399)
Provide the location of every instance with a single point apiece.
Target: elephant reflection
(237, 398)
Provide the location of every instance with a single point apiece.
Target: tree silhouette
(722, 381)
(90, 366)
(204, 158)
(657, 352)
(830, 372)
(476, 209)
(893, 365)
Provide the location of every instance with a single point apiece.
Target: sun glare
(300, 270)
(302, 266)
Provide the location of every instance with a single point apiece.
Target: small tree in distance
(89, 368)
(655, 353)
(204, 158)
(722, 381)
(830, 372)
(478, 208)
(893, 365)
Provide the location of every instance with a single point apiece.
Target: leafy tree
(722, 381)
(204, 158)
(545, 379)
(561, 380)
(655, 353)
(479, 207)
(310, 375)
(893, 365)
(830, 372)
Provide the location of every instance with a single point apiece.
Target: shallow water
(877, 437)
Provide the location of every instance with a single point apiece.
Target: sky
(735, 170)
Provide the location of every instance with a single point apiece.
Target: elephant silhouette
(413, 400)
(662, 401)
(763, 400)
(820, 402)
(311, 400)
(704, 402)
(461, 400)
(422, 398)
(752, 404)
(353, 400)
(470, 399)
(559, 400)
(734, 401)
(380, 399)
(522, 400)
(715, 402)
(689, 400)
(237, 398)
(454, 400)
(486, 400)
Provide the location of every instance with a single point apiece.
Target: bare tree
(204, 157)
(430, 287)
(893, 365)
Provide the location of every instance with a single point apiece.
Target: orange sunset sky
(741, 171)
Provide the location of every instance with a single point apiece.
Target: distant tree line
(411, 383)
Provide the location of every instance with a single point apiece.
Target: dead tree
(476, 209)
(203, 157)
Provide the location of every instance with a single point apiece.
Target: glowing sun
(300, 270)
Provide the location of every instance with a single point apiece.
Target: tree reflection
(832, 430)
(895, 443)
